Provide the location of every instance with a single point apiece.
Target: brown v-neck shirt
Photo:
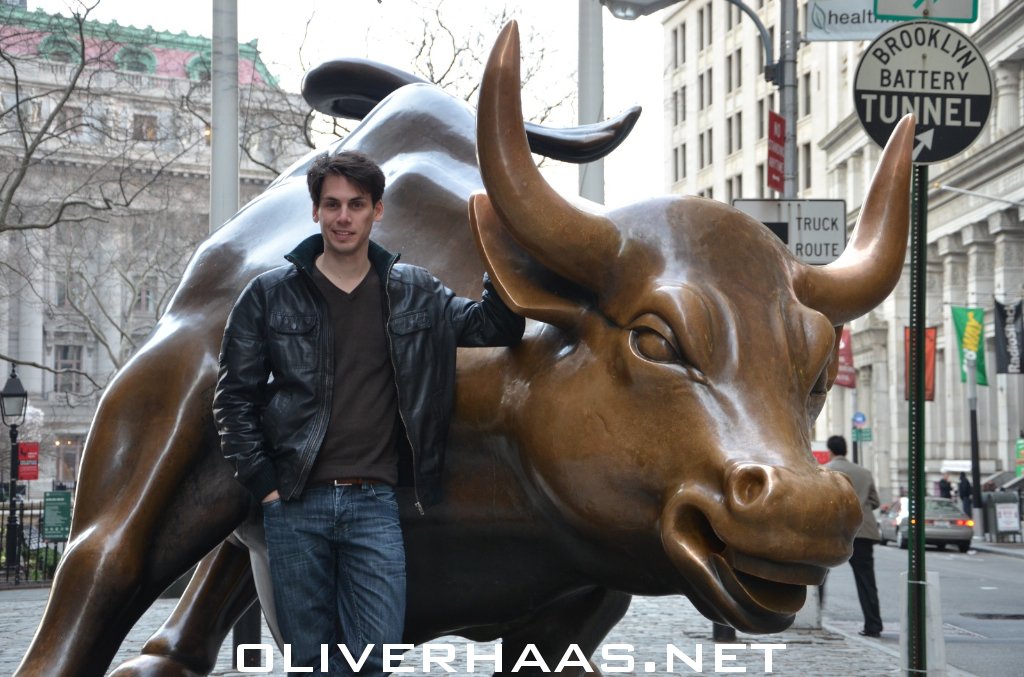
(362, 434)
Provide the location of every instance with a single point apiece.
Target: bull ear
(522, 282)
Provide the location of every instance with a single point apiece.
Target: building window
(68, 290)
(135, 59)
(706, 154)
(734, 133)
(145, 296)
(700, 92)
(805, 164)
(709, 30)
(681, 49)
(805, 85)
(733, 188)
(198, 68)
(144, 127)
(67, 360)
(59, 48)
(700, 29)
(682, 104)
(738, 80)
(679, 163)
(761, 180)
(709, 81)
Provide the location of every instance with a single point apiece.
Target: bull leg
(187, 644)
(583, 620)
(153, 497)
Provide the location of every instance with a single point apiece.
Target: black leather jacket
(274, 392)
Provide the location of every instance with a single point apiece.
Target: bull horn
(872, 262)
(575, 244)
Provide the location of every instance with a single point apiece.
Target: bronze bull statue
(649, 436)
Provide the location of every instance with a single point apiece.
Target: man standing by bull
(337, 384)
(863, 560)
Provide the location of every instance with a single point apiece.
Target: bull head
(684, 355)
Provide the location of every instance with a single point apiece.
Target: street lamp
(13, 403)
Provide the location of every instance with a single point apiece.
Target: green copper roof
(112, 31)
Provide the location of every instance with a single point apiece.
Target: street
(982, 606)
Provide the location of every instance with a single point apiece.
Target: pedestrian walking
(964, 489)
(863, 560)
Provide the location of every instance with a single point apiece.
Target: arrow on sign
(926, 141)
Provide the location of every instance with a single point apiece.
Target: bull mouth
(750, 593)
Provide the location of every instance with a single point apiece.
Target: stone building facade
(120, 184)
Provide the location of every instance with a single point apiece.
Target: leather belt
(352, 481)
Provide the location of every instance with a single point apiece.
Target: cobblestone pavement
(651, 625)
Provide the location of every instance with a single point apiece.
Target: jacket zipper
(325, 382)
(398, 390)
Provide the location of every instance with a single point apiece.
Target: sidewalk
(651, 625)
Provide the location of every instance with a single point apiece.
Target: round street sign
(931, 70)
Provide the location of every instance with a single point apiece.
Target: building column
(855, 180)
(1007, 229)
(980, 290)
(954, 288)
(1007, 81)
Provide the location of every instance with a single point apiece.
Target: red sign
(776, 144)
(847, 376)
(28, 460)
(930, 339)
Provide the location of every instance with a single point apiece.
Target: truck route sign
(929, 69)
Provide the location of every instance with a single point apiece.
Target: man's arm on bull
(488, 322)
(241, 386)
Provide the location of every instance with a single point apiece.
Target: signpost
(933, 71)
(959, 11)
(813, 230)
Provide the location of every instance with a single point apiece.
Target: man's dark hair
(353, 165)
(837, 445)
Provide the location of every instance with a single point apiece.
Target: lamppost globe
(13, 400)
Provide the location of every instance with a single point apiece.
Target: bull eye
(652, 346)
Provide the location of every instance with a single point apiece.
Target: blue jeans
(337, 564)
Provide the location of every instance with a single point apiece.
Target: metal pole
(224, 125)
(591, 90)
(13, 545)
(853, 430)
(916, 577)
(980, 528)
(787, 60)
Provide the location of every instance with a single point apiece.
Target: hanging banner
(970, 339)
(930, 339)
(1009, 332)
(28, 460)
(847, 376)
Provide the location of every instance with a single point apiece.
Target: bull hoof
(153, 666)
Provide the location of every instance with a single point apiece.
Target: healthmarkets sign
(843, 20)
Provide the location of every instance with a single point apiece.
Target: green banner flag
(970, 339)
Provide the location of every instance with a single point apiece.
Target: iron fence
(37, 558)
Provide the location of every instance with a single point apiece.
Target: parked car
(944, 522)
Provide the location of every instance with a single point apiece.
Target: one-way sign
(929, 69)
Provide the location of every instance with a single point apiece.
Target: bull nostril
(748, 485)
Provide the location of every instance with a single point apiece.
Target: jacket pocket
(411, 322)
(292, 340)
